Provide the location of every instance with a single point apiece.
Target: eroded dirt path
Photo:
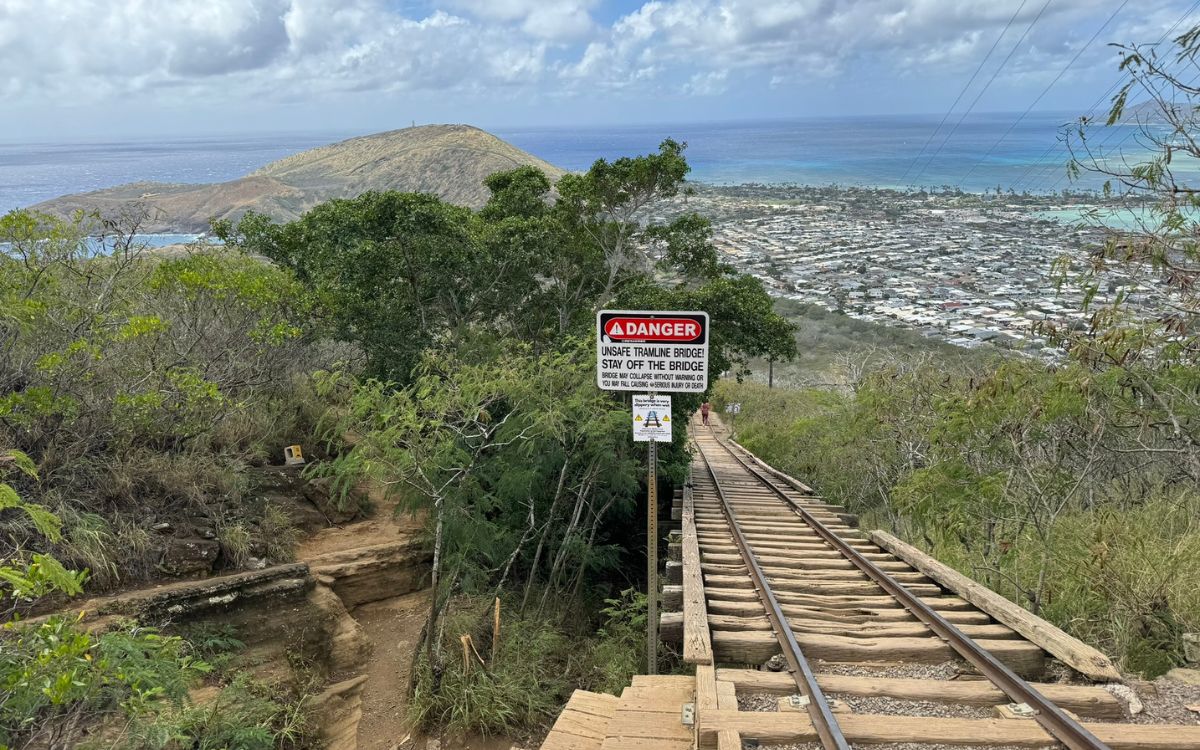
(382, 526)
(394, 628)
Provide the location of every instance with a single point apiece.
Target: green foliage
(403, 273)
(397, 271)
(830, 343)
(279, 536)
(115, 360)
(53, 676)
(542, 658)
(521, 462)
(235, 542)
(520, 689)
(25, 580)
(618, 651)
(246, 714)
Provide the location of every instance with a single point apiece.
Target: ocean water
(879, 151)
(882, 151)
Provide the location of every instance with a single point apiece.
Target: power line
(982, 91)
(1039, 165)
(1134, 130)
(1045, 91)
(1045, 171)
(958, 98)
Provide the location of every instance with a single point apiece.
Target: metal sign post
(652, 559)
(648, 351)
(652, 423)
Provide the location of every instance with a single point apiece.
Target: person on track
(704, 409)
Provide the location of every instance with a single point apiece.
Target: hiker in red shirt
(704, 412)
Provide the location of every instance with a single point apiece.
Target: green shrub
(141, 386)
(543, 657)
(245, 715)
(235, 543)
(55, 678)
(523, 685)
(278, 534)
(619, 649)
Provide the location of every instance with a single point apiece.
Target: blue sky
(110, 68)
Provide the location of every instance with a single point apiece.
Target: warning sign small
(652, 419)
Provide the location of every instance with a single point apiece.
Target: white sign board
(733, 408)
(652, 419)
(650, 350)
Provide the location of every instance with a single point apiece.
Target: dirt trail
(393, 625)
(394, 628)
(383, 525)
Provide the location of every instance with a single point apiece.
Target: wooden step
(583, 723)
(649, 715)
(785, 727)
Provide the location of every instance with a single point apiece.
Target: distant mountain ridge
(450, 161)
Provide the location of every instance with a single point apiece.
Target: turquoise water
(162, 240)
(879, 151)
(144, 240)
(1116, 218)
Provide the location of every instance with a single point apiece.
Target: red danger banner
(653, 329)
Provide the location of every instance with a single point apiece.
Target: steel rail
(1052, 718)
(818, 705)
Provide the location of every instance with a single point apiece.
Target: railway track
(768, 569)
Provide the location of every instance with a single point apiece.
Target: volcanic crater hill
(450, 161)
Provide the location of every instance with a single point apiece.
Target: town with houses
(970, 270)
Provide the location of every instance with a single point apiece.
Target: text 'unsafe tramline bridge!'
(875, 643)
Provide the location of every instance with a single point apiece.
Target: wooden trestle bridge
(805, 631)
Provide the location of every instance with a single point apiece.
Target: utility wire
(963, 91)
(1039, 165)
(1134, 130)
(982, 91)
(1098, 150)
(1045, 91)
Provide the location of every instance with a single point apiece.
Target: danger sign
(648, 350)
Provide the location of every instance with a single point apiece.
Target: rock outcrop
(277, 612)
(379, 571)
(337, 711)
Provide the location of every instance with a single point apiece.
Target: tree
(606, 202)
(404, 273)
(519, 460)
(138, 383)
(1152, 338)
(397, 271)
(55, 677)
(1160, 251)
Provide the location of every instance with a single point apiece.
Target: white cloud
(778, 40)
(227, 51)
(249, 48)
(546, 19)
(707, 84)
